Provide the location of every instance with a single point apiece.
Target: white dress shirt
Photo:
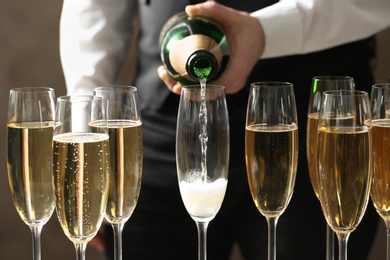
(303, 26)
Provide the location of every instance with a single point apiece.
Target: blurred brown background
(29, 57)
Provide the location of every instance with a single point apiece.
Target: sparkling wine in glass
(319, 85)
(126, 152)
(271, 150)
(29, 157)
(202, 154)
(380, 193)
(344, 161)
(81, 161)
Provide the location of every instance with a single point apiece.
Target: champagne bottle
(193, 49)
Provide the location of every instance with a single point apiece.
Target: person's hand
(173, 85)
(98, 242)
(246, 37)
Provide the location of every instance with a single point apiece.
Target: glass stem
(387, 223)
(272, 222)
(343, 245)
(80, 250)
(329, 243)
(117, 228)
(36, 241)
(202, 239)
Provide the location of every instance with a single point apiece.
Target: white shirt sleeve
(93, 42)
(303, 26)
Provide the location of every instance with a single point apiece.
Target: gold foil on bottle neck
(181, 50)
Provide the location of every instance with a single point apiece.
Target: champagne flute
(202, 154)
(29, 157)
(319, 85)
(380, 194)
(344, 161)
(81, 154)
(126, 152)
(271, 150)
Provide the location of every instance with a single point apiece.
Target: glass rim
(260, 84)
(32, 89)
(344, 92)
(381, 85)
(78, 98)
(122, 88)
(208, 87)
(332, 77)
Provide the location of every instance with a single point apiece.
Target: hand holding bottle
(246, 39)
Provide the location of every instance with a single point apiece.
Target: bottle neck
(202, 65)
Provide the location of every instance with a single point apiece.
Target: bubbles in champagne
(81, 162)
(201, 198)
(203, 128)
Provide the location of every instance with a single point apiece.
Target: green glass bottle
(193, 49)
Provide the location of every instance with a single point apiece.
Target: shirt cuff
(283, 30)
